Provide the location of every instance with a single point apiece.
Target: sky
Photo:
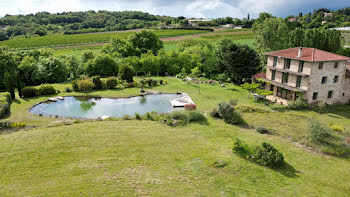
(187, 8)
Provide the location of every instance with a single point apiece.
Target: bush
(262, 130)
(161, 82)
(97, 83)
(130, 85)
(137, 116)
(154, 82)
(299, 104)
(228, 113)
(4, 109)
(233, 102)
(190, 107)
(149, 82)
(337, 128)
(241, 149)
(47, 90)
(68, 89)
(5, 124)
(18, 125)
(318, 132)
(75, 85)
(85, 85)
(126, 73)
(149, 116)
(111, 82)
(214, 113)
(251, 108)
(267, 155)
(183, 117)
(194, 116)
(29, 92)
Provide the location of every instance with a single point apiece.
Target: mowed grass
(145, 158)
(76, 39)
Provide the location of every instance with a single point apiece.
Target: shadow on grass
(233, 89)
(287, 170)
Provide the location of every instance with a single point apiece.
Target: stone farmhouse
(312, 74)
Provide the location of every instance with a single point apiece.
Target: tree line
(142, 53)
(271, 34)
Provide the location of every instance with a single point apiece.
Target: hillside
(64, 158)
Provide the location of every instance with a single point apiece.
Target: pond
(91, 108)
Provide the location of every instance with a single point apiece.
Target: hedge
(5, 100)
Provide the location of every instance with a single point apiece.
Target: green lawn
(145, 158)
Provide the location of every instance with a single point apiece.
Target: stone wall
(330, 72)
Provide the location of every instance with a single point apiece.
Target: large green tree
(135, 45)
(51, 70)
(7, 64)
(270, 34)
(238, 61)
(101, 65)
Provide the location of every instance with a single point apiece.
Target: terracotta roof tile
(308, 54)
(259, 75)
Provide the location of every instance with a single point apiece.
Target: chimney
(300, 52)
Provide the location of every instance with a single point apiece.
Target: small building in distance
(311, 74)
(292, 19)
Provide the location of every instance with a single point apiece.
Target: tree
(29, 68)
(270, 34)
(136, 44)
(251, 87)
(324, 39)
(126, 73)
(19, 83)
(51, 70)
(7, 64)
(75, 69)
(101, 65)
(264, 93)
(9, 85)
(238, 61)
(87, 55)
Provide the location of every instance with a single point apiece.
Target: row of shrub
(97, 83)
(5, 100)
(11, 125)
(265, 154)
(180, 118)
(42, 90)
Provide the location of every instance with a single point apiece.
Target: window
(314, 96)
(272, 87)
(320, 65)
(286, 64)
(285, 78)
(330, 94)
(324, 80)
(274, 61)
(335, 65)
(336, 79)
(343, 94)
(273, 75)
(299, 81)
(301, 66)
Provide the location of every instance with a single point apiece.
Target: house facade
(309, 73)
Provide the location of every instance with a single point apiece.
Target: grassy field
(172, 45)
(145, 158)
(76, 39)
